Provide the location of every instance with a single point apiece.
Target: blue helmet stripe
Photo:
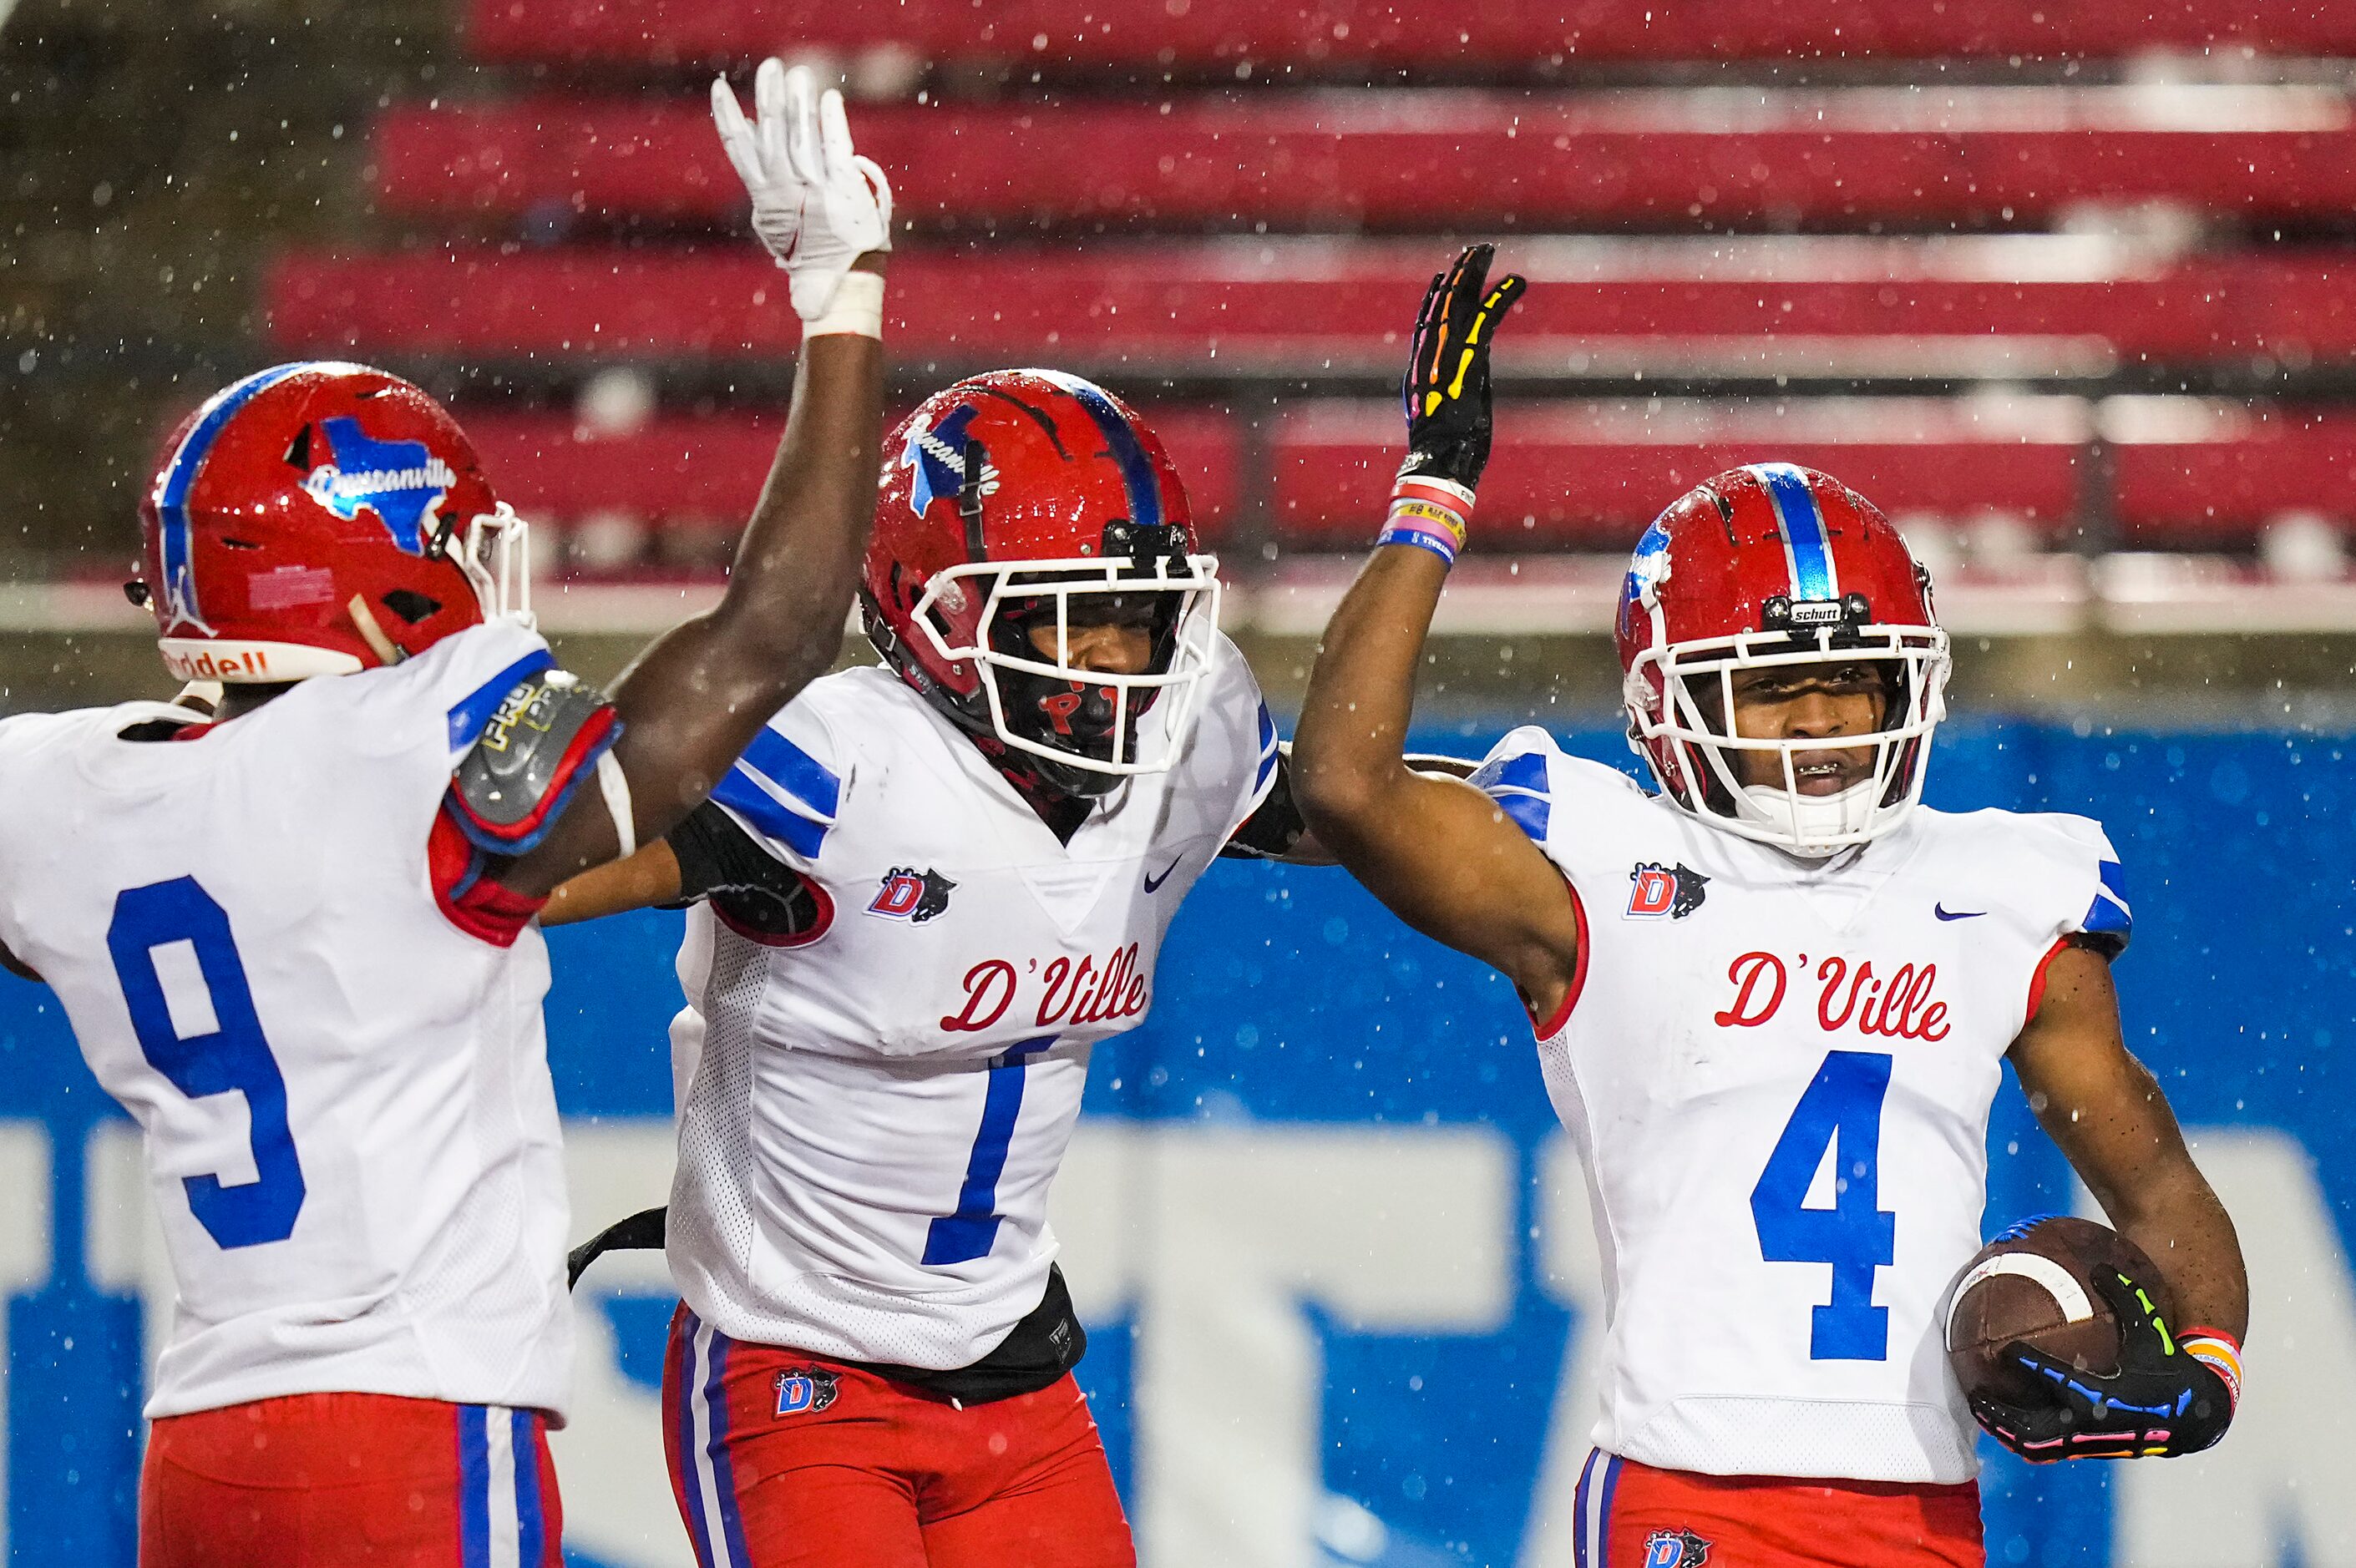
(179, 585)
(1804, 535)
(1137, 476)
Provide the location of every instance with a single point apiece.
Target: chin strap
(202, 698)
(372, 632)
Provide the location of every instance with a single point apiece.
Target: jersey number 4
(233, 1056)
(1840, 1112)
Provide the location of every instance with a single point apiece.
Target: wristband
(1432, 514)
(857, 308)
(2215, 1349)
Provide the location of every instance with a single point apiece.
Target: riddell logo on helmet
(253, 664)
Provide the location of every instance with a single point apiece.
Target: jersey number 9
(233, 1057)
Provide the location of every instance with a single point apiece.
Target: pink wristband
(1432, 514)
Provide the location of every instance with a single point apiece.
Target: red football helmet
(1776, 565)
(1004, 499)
(316, 519)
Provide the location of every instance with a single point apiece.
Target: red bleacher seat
(1409, 160)
(2214, 487)
(1591, 476)
(1504, 35)
(2009, 307)
(684, 471)
(1578, 474)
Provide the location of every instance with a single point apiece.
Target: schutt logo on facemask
(1898, 1007)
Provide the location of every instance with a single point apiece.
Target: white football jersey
(1778, 1072)
(351, 1135)
(879, 1106)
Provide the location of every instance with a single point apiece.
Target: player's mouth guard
(1178, 688)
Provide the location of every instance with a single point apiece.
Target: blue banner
(1323, 1230)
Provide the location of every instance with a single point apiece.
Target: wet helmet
(1767, 566)
(1014, 506)
(318, 518)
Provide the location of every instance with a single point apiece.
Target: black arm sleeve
(2104, 944)
(718, 860)
(1270, 833)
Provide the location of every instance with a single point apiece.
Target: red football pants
(349, 1481)
(1634, 1516)
(785, 1460)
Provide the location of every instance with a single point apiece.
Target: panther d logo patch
(1656, 890)
(912, 895)
(806, 1388)
(1674, 1549)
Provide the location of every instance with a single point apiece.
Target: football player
(293, 934)
(1772, 997)
(929, 890)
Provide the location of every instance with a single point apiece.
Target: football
(2034, 1285)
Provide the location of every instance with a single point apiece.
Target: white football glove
(816, 205)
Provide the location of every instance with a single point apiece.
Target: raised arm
(691, 702)
(1435, 850)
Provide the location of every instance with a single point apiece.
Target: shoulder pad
(539, 743)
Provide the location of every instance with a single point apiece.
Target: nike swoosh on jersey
(1944, 913)
(1154, 883)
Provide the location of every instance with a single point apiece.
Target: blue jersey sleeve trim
(740, 790)
(471, 713)
(795, 771)
(1531, 811)
(1523, 770)
(1267, 750)
(2109, 915)
(1519, 785)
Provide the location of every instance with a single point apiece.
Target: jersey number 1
(1842, 1111)
(233, 1057)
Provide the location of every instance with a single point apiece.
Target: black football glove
(1447, 387)
(2160, 1403)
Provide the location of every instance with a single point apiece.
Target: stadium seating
(1206, 204)
(684, 472)
(2174, 472)
(1494, 37)
(1977, 156)
(1589, 475)
(2011, 307)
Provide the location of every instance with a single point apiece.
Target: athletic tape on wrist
(857, 308)
(1435, 514)
(2216, 1350)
